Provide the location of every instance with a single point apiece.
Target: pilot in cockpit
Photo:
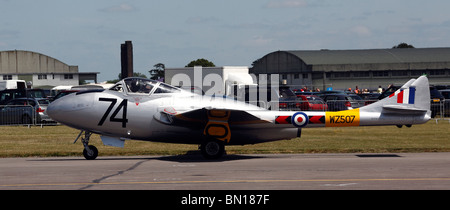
(139, 86)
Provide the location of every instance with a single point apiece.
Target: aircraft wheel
(212, 149)
(92, 154)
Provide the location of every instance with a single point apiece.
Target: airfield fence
(22, 115)
(28, 115)
(441, 109)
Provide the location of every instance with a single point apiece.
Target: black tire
(93, 155)
(212, 149)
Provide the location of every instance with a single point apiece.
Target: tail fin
(421, 96)
(412, 98)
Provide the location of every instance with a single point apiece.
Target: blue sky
(88, 33)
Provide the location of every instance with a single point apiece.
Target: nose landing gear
(90, 152)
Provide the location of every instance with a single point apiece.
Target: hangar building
(342, 69)
(41, 70)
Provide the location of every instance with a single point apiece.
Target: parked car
(369, 97)
(287, 99)
(312, 103)
(9, 94)
(275, 99)
(24, 111)
(445, 93)
(446, 102)
(61, 94)
(299, 93)
(322, 94)
(338, 102)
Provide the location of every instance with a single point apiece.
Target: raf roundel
(300, 119)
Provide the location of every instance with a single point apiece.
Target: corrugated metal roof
(373, 56)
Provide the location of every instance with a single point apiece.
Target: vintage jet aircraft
(142, 109)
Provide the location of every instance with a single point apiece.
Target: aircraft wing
(214, 122)
(200, 117)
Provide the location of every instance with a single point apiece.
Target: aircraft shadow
(190, 156)
(196, 156)
(376, 155)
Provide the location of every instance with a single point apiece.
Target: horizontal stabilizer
(400, 109)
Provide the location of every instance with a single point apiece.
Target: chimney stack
(126, 52)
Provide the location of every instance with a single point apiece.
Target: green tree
(403, 45)
(158, 71)
(137, 74)
(201, 62)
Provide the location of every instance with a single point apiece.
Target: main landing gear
(90, 152)
(212, 149)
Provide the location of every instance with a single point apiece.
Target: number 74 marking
(122, 105)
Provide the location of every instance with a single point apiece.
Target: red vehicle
(312, 103)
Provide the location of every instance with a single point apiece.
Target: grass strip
(51, 141)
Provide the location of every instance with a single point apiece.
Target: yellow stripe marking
(342, 118)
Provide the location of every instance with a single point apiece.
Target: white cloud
(258, 41)
(287, 4)
(119, 8)
(201, 20)
(361, 30)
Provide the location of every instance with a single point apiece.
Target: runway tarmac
(401, 171)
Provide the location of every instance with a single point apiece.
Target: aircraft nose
(55, 109)
(68, 107)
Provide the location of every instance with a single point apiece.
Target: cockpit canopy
(136, 85)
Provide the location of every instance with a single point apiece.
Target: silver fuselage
(148, 116)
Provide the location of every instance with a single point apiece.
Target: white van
(12, 84)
